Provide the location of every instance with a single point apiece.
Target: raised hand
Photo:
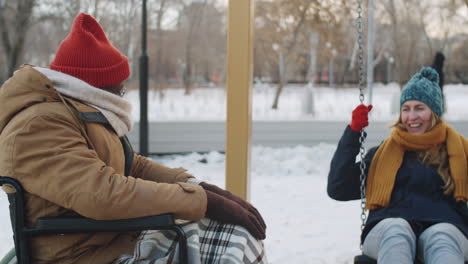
(360, 117)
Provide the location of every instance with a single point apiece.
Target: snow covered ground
(288, 185)
(328, 103)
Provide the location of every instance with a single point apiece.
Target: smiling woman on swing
(417, 180)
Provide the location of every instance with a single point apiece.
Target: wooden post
(239, 95)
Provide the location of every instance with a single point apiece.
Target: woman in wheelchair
(417, 181)
(62, 136)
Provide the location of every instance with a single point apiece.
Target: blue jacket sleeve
(344, 176)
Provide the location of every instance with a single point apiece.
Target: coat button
(44, 99)
(48, 86)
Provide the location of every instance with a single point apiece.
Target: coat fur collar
(116, 109)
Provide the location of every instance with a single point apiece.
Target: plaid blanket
(208, 241)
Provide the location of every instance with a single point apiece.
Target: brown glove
(248, 206)
(230, 212)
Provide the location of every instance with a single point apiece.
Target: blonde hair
(435, 157)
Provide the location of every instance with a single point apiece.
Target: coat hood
(25, 88)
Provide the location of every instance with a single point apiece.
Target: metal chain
(362, 150)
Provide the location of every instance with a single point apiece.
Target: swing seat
(60, 225)
(363, 259)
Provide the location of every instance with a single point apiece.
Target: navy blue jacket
(417, 195)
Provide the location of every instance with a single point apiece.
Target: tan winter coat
(70, 162)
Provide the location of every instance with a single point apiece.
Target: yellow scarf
(389, 156)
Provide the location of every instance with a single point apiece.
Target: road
(202, 136)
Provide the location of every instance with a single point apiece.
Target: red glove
(360, 117)
(227, 211)
(249, 207)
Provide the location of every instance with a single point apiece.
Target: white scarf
(116, 109)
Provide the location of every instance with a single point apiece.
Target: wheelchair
(61, 225)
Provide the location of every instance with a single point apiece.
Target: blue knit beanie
(424, 87)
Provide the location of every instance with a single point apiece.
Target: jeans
(393, 241)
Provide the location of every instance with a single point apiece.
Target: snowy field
(328, 103)
(288, 185)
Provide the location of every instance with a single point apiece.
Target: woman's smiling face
(416, 116)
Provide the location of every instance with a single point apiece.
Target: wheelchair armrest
(54, 225)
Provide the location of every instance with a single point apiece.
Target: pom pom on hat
(430, 74)
(87, 54)
(424, 87)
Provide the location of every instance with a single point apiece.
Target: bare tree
(191, 17)
(284, 24)
(289, 48)
(159, 8)
(406, 36)
(120, 23)
(409, 31)
(418, 29)
(15, 17)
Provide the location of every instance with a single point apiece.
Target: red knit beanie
(87, 54)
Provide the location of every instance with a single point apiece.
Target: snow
(288, 185)
(328, 103)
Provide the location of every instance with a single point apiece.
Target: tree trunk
(96, 5)
(13, 28)
(279, 89)
(288, 52)
(159, 49)
(195, 18)
(391, 9)
(188, 70)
